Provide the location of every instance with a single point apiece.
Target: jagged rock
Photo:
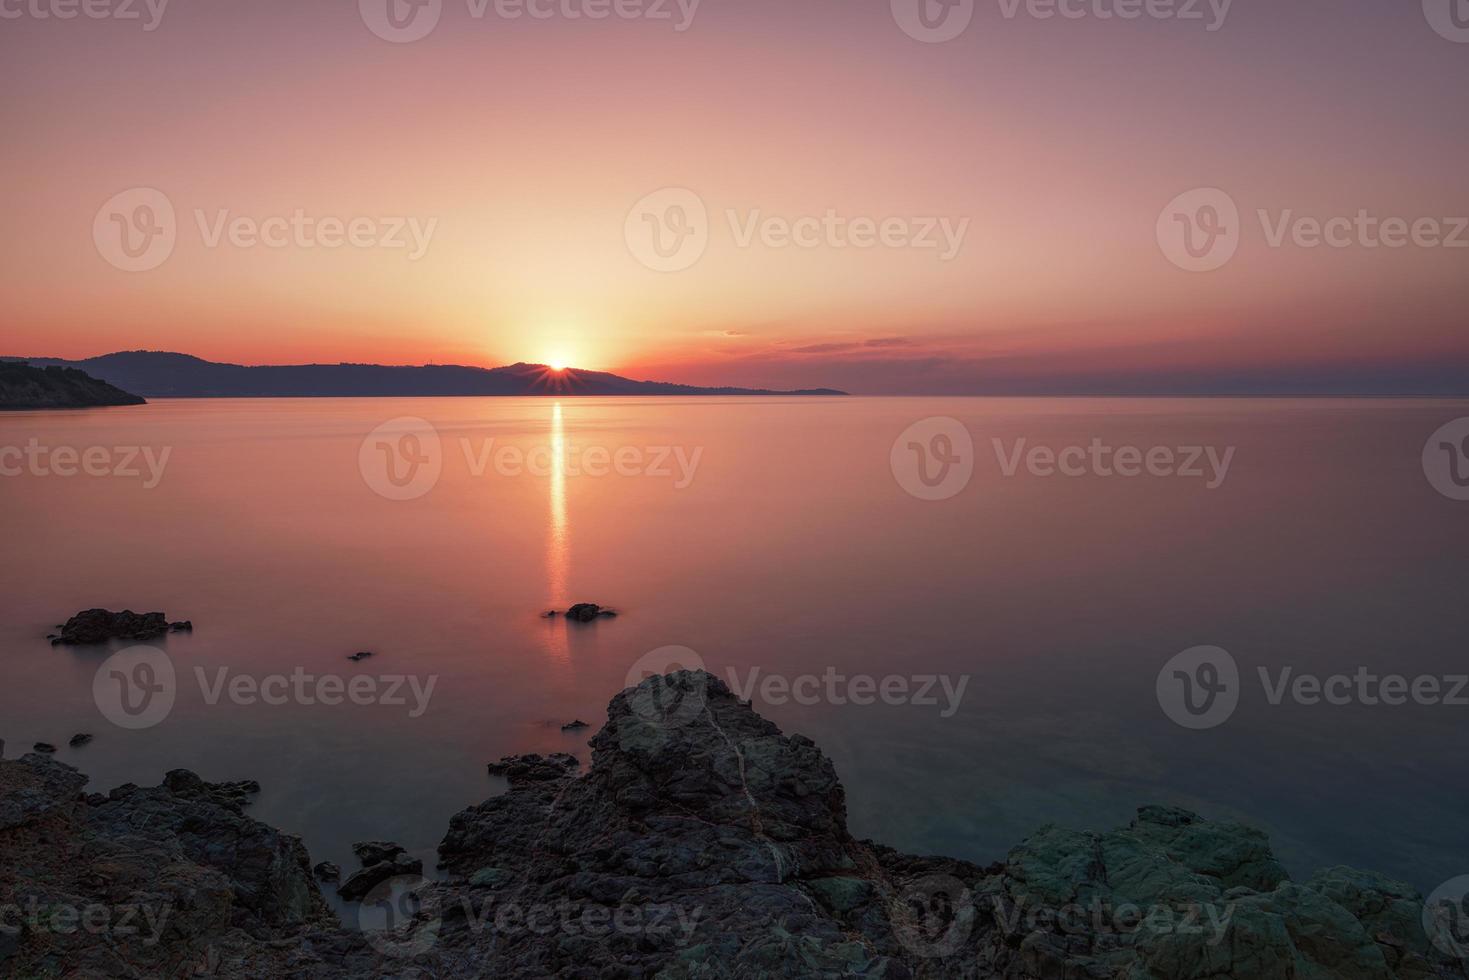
(326, 871)
(99, 625)
(77, 741)
(573, 726)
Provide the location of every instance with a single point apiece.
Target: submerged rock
(100, 625)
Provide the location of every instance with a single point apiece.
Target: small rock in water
(46, 747)
(574, 726)
(585, 612)
(100, 625)
(79, 740)
(362, 882)
(326, 871)
(371, 852)
(357, 657)
(551, 614)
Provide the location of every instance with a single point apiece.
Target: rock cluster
(701, 843)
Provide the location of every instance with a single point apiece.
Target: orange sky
(527, 142)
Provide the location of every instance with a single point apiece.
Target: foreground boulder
(100, 625)
(701, 843)
(148, 882)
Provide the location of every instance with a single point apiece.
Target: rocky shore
(701, 843)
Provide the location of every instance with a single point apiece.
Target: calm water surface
(793, 550)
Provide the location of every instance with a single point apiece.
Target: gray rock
(100, 625)
(371, 852)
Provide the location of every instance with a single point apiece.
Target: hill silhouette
(163, 374)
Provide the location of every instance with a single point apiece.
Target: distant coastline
(163, 374)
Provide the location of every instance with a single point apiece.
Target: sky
(972, 197)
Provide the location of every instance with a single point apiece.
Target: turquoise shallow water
(766, 535)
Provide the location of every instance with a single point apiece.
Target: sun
(557, 365)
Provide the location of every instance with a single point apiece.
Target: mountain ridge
(170, 374)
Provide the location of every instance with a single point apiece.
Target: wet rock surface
(701, 843)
